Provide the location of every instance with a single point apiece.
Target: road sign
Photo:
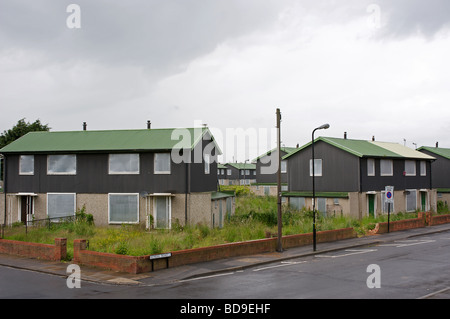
(389, 194)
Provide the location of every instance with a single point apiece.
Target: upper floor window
(423, 168)
(123, 163)
(162, 163)
(410, 168)
(207, 159)
(370, 167)
(62, 164)
(26, 165)
(386, 167)
(317, 167)
(283, 167)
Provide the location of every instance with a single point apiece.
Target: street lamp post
(324, 126)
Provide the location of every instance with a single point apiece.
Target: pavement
(190, 272)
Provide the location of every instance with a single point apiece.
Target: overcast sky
(368, 68)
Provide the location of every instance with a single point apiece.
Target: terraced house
(266, 172)
(440, 174)
(236, 173)
(351, 176)
(151, 176)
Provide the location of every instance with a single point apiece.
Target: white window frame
(154, 164)
(412, 165)
(370, 167)
(61, 173)
(207, 160)
(20, 165)
(228, 171)
(283, 166)
(391, 165)
(74, 202)
(423, 168)
(317, 163)
(123, 172)
(109, 208)
(406, 200)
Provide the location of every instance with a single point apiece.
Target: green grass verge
(255, 218)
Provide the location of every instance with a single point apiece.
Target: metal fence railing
(46, 222)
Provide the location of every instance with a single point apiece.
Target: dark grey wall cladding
(92, 176)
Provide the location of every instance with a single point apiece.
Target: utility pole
(279, 219)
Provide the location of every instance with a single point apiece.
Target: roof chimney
(345, 135)
(84, 126)
(437, 144)
(373, 138)
(149, 125)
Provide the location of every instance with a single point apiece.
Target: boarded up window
(411, 200)
(60, 205)
(123, 208)
(124, 164)
(386, 168)
(62, 164)
(410, 168)
(162, 163)
(26, 165)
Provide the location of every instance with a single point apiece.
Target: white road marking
(206, 277)
(283, 263)
(434, 293)
(405, 243)
(351, 252)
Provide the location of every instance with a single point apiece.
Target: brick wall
(190, 256)
(58, 251)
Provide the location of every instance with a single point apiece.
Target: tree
(20, 129)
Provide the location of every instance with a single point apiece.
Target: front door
(371, 199)
(26, 208)
(162, 211)
(424, 201)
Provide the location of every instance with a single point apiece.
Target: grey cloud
(162, 35)
(411, 17)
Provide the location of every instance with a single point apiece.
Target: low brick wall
(58, 251)
(398, 225)
(439, 220)
(142, 264)
(122, 263)
(424, 219)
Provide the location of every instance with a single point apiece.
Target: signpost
(160, 256)
(389, 199)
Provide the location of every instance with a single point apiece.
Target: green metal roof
(444, 152)
(363, 148)
(242, 165)
(222, 194)
(317, 194)
(108, 140)
(287, 150)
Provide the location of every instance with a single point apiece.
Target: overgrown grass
(255, 218)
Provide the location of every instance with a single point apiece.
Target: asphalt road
(417, 267)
